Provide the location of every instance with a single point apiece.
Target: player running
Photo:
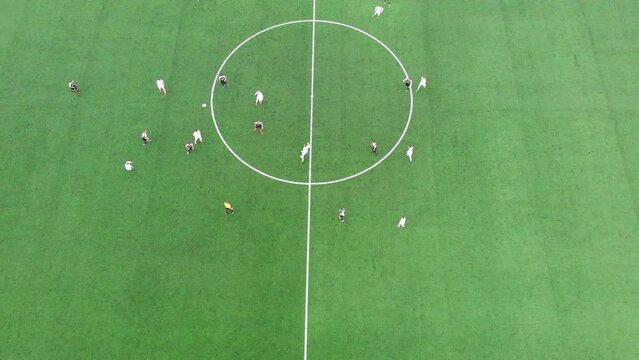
(305, 150)
(378, 11)
(228, 208)
(423, 82)
(73, 86)
(128, 165)
(374, 146)
(160, 85)
(409, 153)
(189, 148)
(258, 126)
(259, 97)
(224, 81)
(407, 83)
(197, 135)
(341, 215)
(145, 137)
(402, 222)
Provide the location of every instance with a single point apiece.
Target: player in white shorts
(73, 86)
(258, 126)
(409, 153)
(259, 97)
(402, 222)
(197, 135)
(341, 215)
(160, 84)
(422, 83)
(128, 165)
(408, 82)
(145, 137)
(378, 11)
(224, 81)
(305, 150)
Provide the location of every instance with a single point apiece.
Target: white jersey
(402, 222)
(305, 149)
(422, 81)
(160, 83)
(379, 10)
(259, 95)
(409, 152)
(128, 166)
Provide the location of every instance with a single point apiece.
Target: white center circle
(306, 183)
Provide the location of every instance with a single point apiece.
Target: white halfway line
(310, 187)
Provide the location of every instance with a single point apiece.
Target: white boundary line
(310, 187)
(313, 21)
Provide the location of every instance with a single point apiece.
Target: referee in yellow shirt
(228, 208)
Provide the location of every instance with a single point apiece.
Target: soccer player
(228, 208)
(145, 137)
(224, 81)
(378, 11)
(422, 83)
(341, 215)
(408, 82)
(73, 86)
(259, 97)
(402, 222)
(197, 135)
(189, 147)
(374, 146)
(409, 153)
(387, 2)
(128, 165)
(160, 84)
(258, 126)
(305, 150)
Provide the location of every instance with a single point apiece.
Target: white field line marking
(310, 187)
(313, 21)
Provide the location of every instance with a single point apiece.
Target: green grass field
(522, 239)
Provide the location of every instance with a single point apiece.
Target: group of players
(259, 126)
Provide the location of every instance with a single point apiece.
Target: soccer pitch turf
(522, 239)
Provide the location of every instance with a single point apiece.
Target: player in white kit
(374, 146)
(145, 137)
(305, 150)
(197, 135)
(402, 222)
(259, 97)
(128, 165)
(73, 86)
(409, 153)
(422, 83)
(160, 84)
(378, 11)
